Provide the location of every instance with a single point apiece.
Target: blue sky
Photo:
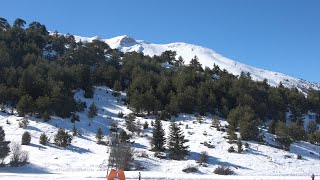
(278, 35)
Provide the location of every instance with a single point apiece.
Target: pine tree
(62, 138)
(176, 141)
(158, 139)
(312, 126)
(4, 146)
(74, 131)
(43, 139)
(282, 133)
(93, 110)
(130, 123)
(145, 125)
(239, 144)
(99, 135)
(26, 138)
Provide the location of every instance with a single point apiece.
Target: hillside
(207, 57)
(86, 159)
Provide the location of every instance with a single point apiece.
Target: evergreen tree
(123, 136)
(26, 138)
(176, 141)
(25, 105)
(282, 135)
(93, 110)
(4, 146)
(239, 144)
(43, 139)
(62, 138)
(158, 136)
(74, 131)
(99, 135)
(312, 126)
(130, 123)
(145, 125)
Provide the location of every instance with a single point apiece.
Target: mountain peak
(121, 41)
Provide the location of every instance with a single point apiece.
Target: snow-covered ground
(85, 159)
(207, 57)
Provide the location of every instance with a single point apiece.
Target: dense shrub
(26, 138)
(190, 169)
(223, 170)
(62, 138)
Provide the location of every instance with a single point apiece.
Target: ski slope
(207, 57)
(85, 159)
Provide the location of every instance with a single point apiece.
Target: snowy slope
(207, 57)
(86, 159)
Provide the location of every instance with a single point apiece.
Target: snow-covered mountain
(207, 57)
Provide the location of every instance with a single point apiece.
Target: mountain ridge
(207, 57)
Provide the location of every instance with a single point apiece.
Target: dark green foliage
(25, 105)
(26, 138)
(43, 139)
(297, 132)
(312, 126)
(120, 114)
(113, 127)
(74, 131)
(243, 117)
(24, 123)
(74, 118)
(190, 169)
(176, 141)
(203, 157)
(145, 125)
(158, 136)
(4, 146)
(282, 135)
(99, 135)
(299, 156)
(239, 145)
(81, 106)
(231, 149)
(62, 138)
(272, 127)
(123, 136)
(93, 110)
(223, 170)
(130, 123)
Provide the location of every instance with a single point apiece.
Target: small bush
(145, 125)
(46, 116)
(62, 138)
(74, 131)
(231, 149)
(43, 139)
(239, 144)
(120, 114)
(113, 127)
(24, 123)
(299, 156)
(138, 166)
(26, 138)
(74, 118)
(208, 145)
(246, 145)
(190, 169)
(203, 158)
(19, 157)
(223, 170)
(81, 106)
